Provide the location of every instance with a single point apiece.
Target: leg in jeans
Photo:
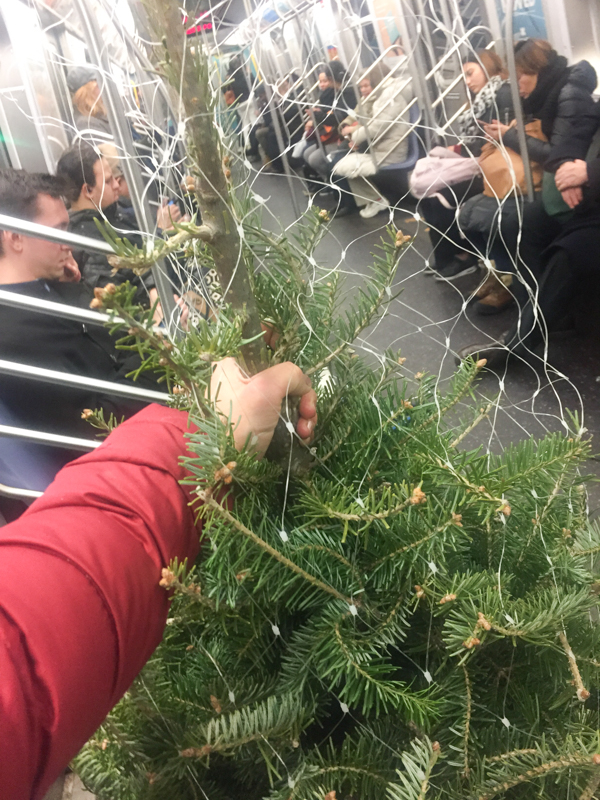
(317, 159)
(446, 238)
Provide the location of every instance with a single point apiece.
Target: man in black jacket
(93, 192)
(36, 268)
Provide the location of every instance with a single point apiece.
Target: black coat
(95, 269)
(573, 126)
(41, 340)
(333, 106)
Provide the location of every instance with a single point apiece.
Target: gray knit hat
(79, 76)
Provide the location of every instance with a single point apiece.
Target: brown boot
(495, 301)
(489, 283)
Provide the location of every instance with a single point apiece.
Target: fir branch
(406, 547)
(528, 751)
(466, 770)
(582, 693)
(589, 793)
(336, 446)
(442, 410)
(391, 512)
(321, 548)
(223, 512)
(364, 322)
(575, 760)
(483, 415)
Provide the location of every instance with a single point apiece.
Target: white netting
(430, 320)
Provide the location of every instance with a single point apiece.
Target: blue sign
(528, 19)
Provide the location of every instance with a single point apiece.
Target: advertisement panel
(528, 18)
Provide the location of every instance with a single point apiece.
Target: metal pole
(28, 228)
(282, 146)
(516, 98)
(16, 300)
(53, 439)
(81, 382)
(10, 491)
(124, 141)
(411, 36)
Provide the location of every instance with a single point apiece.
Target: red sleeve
(81, 610)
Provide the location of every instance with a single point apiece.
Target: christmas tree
(385, 615)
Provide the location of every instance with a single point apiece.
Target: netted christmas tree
(384, 615)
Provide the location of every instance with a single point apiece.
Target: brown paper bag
(495, 162)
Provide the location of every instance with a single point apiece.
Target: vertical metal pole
(282, 146)
(124, 141)
(411, 35)
(516, 98)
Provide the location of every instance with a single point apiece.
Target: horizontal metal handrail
(28, 228)
(54, 439)
(81, 382)
(17, 300)
(11, 491)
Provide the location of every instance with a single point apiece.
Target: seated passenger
(382, 132)
(90, 114)
(557, 229)
(92, 193)
(490, 98)
(336, 99)
(36, 268)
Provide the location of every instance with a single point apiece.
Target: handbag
(440, 169)
(503, 169)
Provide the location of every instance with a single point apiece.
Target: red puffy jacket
(81, 610)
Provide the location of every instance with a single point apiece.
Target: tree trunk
(188, 74)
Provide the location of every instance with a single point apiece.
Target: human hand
(71, 272)
(573, 196)
(495, 130)
(253, 404)
(158, 312)
(571, 174)
(167, 214)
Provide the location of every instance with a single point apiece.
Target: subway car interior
(271, 64)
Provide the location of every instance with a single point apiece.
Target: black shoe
(495, 355)
(253, 157)
(456, 269)
(429, 270)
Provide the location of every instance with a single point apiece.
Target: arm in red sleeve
(81, 610)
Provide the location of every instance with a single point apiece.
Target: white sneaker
(372, 209)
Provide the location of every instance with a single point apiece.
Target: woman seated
(90, 114)
(380, 133)
(558, 232)
(336, 99)
(490, 98)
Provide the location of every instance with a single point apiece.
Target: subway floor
(430, 320)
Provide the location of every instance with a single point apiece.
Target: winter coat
(386, 126)
(95, 269)
(571, 125)
(91, 128)
(81, 609)
(64, 345)
(333, 106)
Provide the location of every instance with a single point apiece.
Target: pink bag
(439, 170)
